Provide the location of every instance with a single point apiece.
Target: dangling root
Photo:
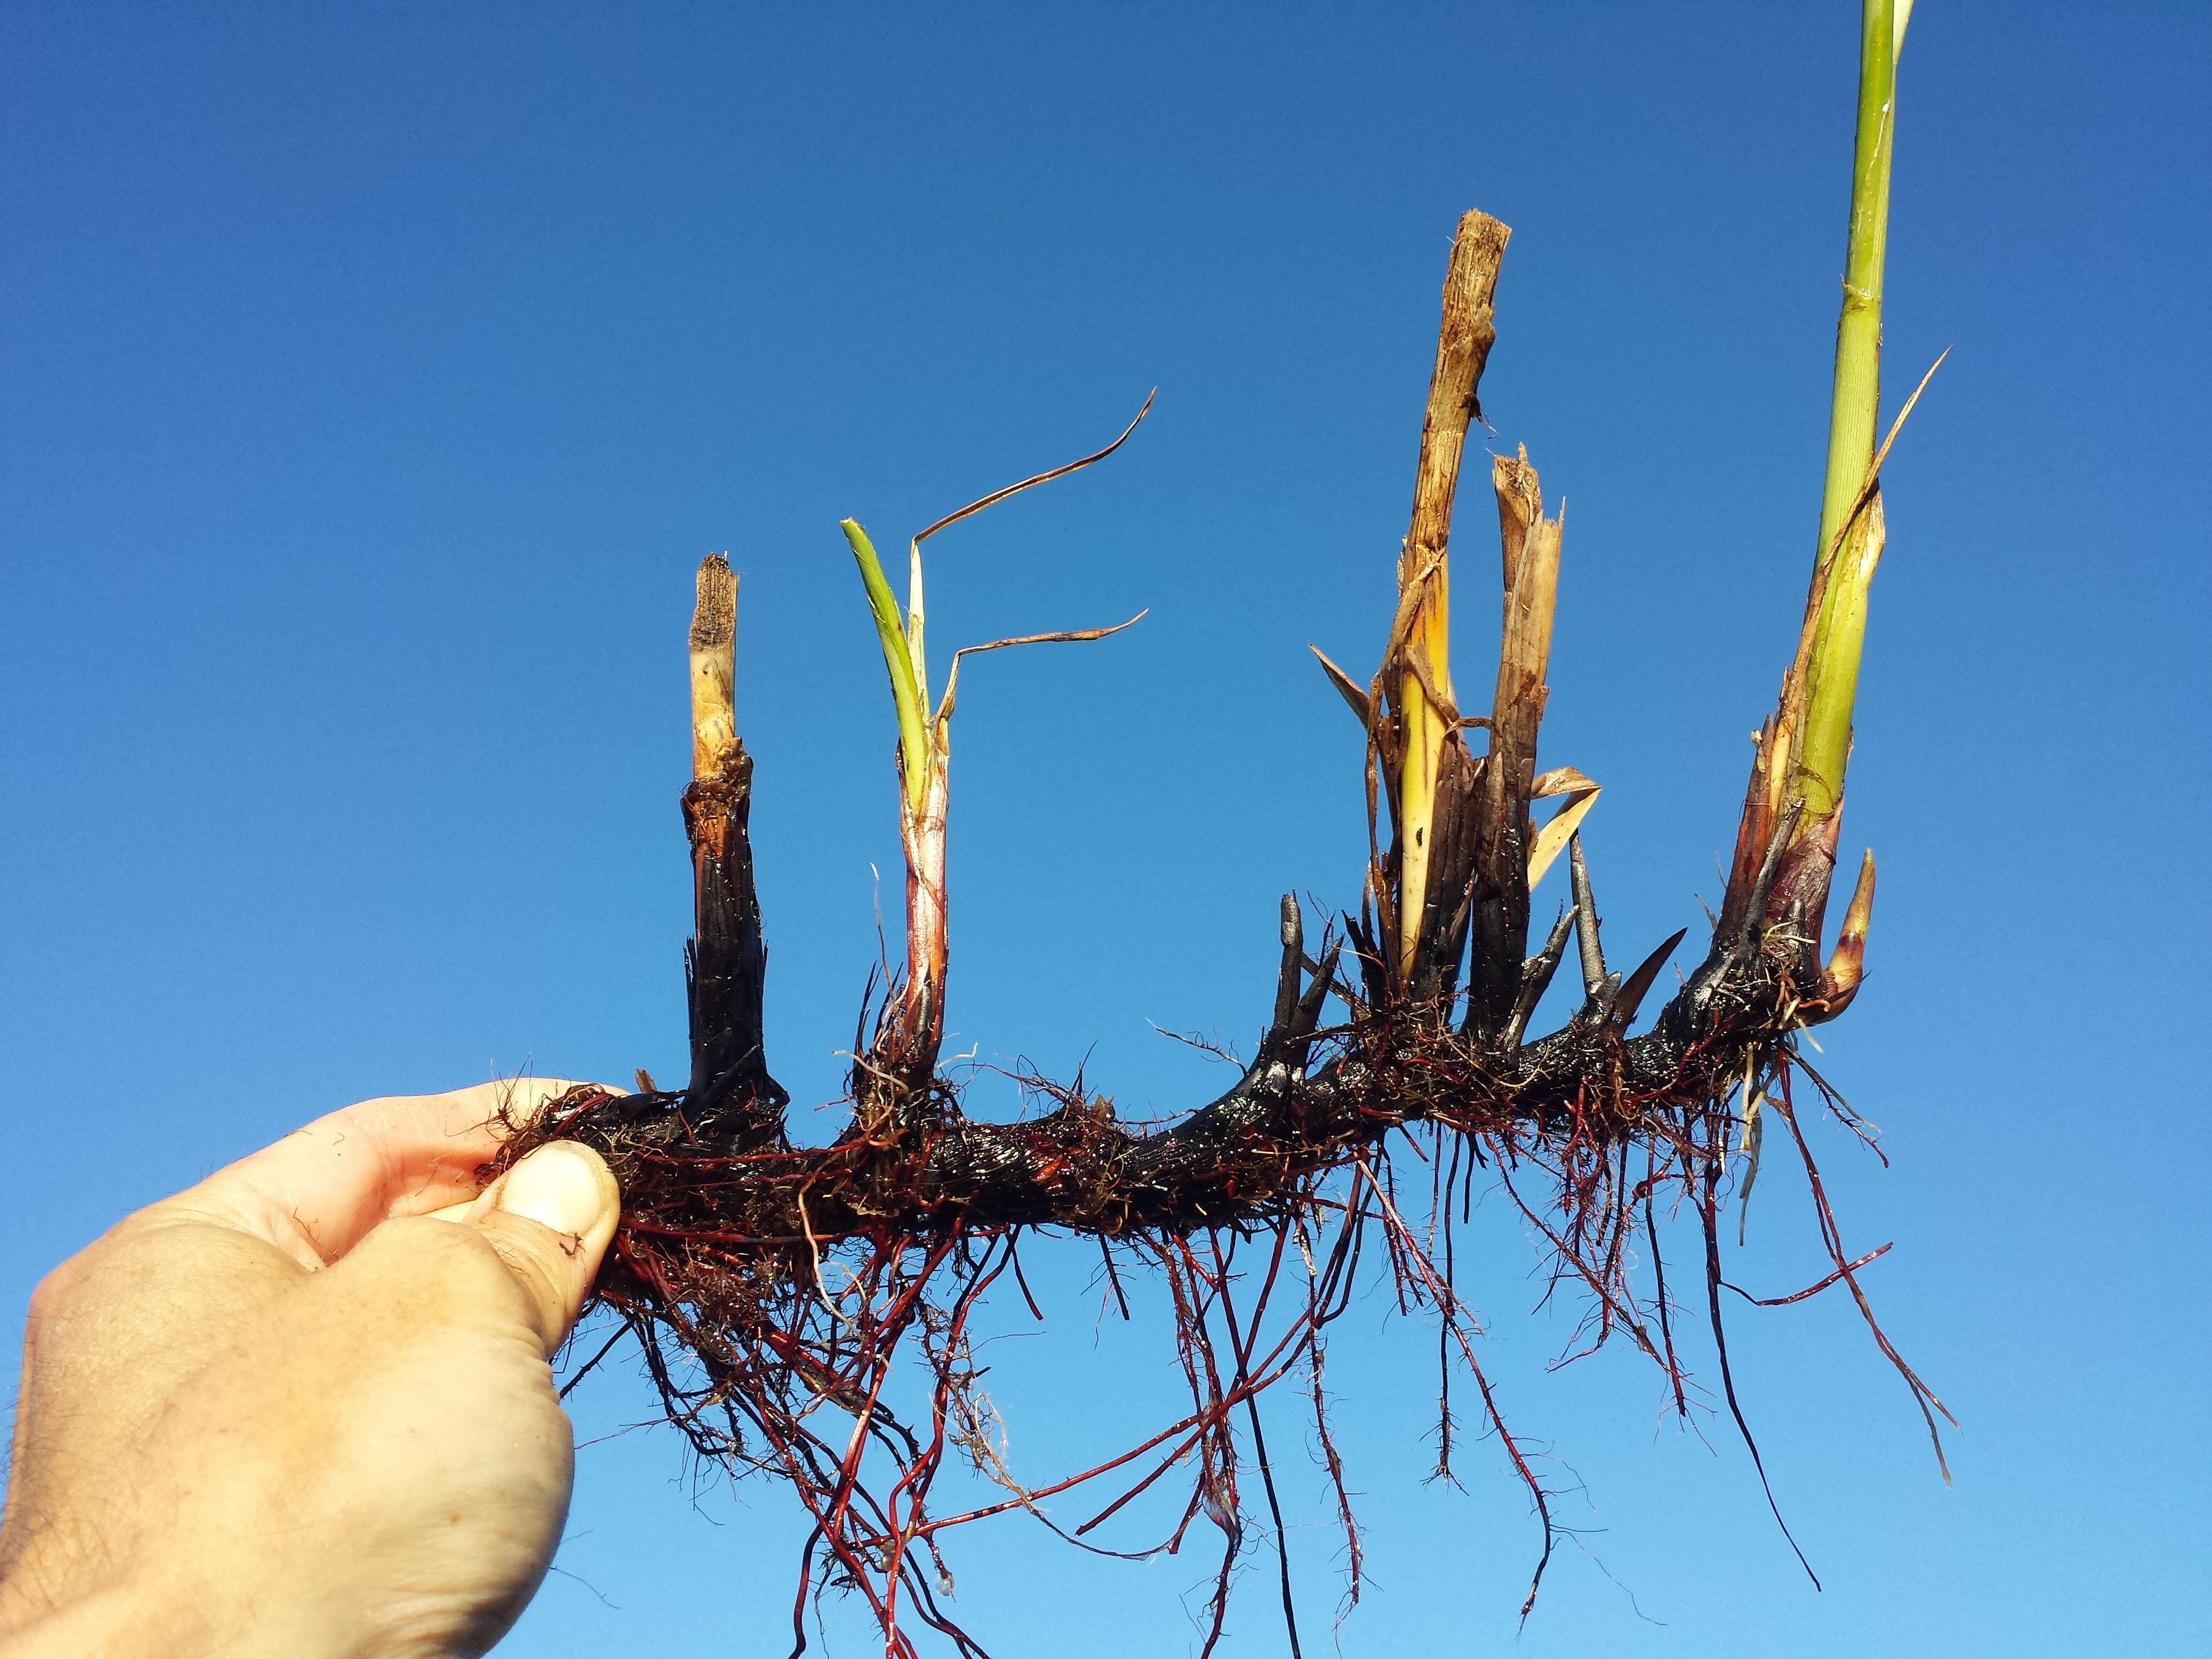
(764, 1282)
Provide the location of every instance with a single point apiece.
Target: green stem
(906, 692)
(1844, 570)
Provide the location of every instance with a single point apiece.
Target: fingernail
(559, 1186)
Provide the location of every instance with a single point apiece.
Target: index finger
(314, 1194)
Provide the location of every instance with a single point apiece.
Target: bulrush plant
(811, 1312)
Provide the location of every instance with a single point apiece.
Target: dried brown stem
(727, 963)
(714, 669)
(1425, 758)
(1500, 833)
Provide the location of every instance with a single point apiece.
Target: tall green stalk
(1848, 549)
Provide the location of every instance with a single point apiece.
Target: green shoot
(1850, 514)
(908, 695)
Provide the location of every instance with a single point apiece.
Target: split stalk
(1432, 766)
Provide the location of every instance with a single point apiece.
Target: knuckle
(504, 1267)
(51, 1296)
(536, 1261)
(443, 1265)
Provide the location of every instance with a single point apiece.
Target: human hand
(304, 1407)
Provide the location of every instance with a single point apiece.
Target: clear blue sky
(372, 378)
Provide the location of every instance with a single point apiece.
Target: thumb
(550, 1219)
